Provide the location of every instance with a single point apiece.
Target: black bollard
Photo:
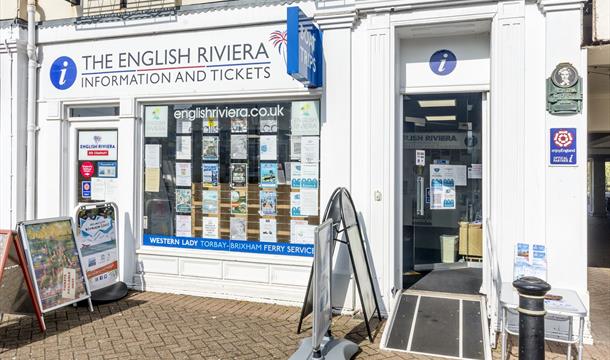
(531, 316)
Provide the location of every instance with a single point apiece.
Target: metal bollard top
(532, 286)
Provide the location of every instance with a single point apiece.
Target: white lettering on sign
(307, 46)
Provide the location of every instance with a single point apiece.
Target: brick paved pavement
(163, 326)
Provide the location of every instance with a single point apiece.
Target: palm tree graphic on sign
(279, 40)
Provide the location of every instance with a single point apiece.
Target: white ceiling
(445, 29)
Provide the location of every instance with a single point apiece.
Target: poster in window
(295, 175)
(183, 225)
(268, 202)
(210, 174)
(183, 200)
(209, 202)
(310, 149)
(152, 156)
(295, 148)
(268, 230)
(239, 147)
(301, 232)
(268, 125)
(239, 125)
(295, 204)
(210, 126)
(239, 228)
(309, 175)
(184, 127)
(210, 227)
(309, 202)
(239, 201)
(155, 121)
(183, 174)
(97, 145)
(209, 148)
(268, 147)
(268, 175)
(239, 175)
(183, 147)
(304, 118)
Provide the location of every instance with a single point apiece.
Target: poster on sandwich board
(55, 263)
(96, 238)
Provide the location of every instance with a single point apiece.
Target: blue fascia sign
(304, 48)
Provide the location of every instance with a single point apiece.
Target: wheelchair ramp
(438, 324)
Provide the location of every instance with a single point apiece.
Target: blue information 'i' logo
(443, 62)
(63, 72)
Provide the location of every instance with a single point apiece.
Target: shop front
(433, 116)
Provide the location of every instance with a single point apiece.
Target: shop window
(233, 177)
(94, 111)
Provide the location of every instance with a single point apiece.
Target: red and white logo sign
(563, 138)
(87, 169)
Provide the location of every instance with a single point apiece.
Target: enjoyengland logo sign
(63, 73)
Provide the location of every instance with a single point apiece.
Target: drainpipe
(30, 198)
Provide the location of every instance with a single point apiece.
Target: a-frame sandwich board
(15, 281)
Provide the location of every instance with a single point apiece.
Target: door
(442, 180)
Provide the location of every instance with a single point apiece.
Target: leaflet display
(232, 182)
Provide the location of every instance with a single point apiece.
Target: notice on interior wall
(420, 157)
(475, 171)
(155, 121)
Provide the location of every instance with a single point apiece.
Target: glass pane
(442, 175)
(94, 111)
(243, 172)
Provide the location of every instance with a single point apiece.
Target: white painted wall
(13, 69)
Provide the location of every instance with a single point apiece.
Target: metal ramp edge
(438, 324)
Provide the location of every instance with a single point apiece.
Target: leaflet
(310, 149)
(210, 227)
(183, 174)
(309, 202)
(152, 156)
(238, 228)
(183, 147)
(268, 230)
(304, 119)
(155, 121)
(268, 147)
(183, 225)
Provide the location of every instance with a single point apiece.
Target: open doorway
(442, 187)
(598, 198)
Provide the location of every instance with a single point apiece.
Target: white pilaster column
(336, 133)
(566, 211)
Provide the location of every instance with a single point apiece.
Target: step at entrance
(439, 324)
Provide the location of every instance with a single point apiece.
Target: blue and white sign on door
(443, 62)
(304, 48)
(563, 146)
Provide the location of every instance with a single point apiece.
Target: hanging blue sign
(304, 49)
(563, 146)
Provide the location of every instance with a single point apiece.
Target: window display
(232, 177)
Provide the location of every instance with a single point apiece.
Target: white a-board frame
(98, 206)
(28, 255)
(323, 240)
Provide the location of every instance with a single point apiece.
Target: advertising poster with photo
(183, 200)
(239, 201)
(209, 202)
(209, 148)
(97, 241)
(239, 147)
(238, 228)
(53, 256)
(268, 202)
(269, 176)
(210, 174)
(239, 175)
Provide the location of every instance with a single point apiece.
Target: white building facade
(378, 56)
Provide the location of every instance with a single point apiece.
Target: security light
(436, 103)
